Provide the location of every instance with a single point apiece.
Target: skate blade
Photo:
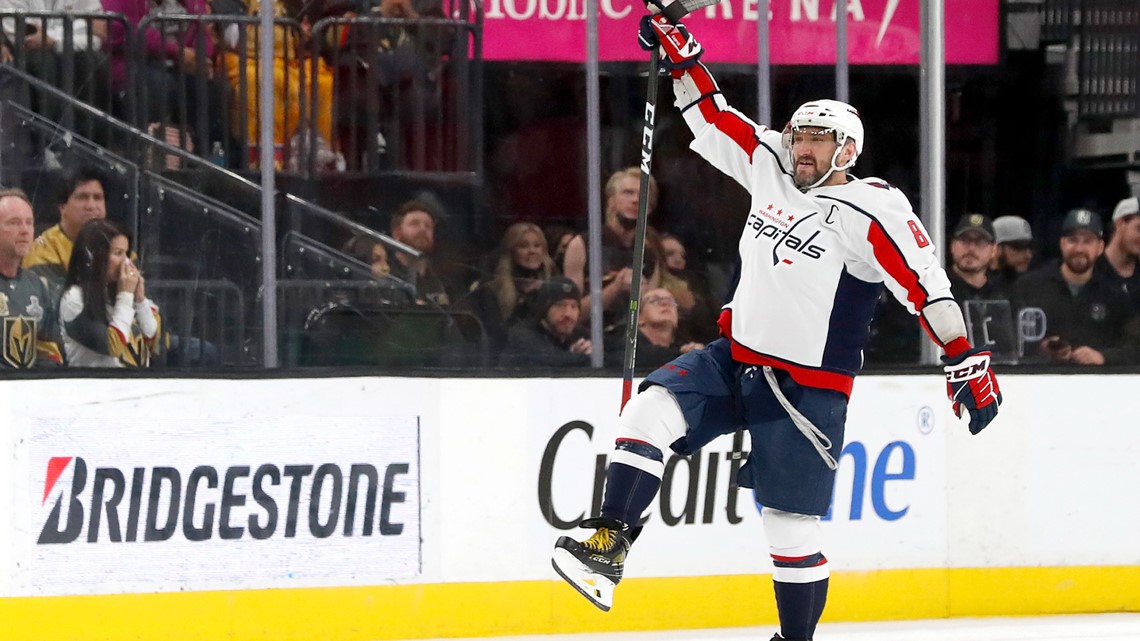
(596, 588)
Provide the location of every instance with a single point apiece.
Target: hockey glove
(972, 387)
(679, 49)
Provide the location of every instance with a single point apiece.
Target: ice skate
(594, 566)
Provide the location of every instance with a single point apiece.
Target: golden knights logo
(19, 336)
(136, 353)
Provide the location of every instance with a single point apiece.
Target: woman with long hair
(107, 319)
(523, 264)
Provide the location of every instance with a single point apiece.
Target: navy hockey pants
(717, 395)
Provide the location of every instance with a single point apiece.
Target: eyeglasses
(661, 300)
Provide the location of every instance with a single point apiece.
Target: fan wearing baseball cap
(971, 250)
(1121, 259)
(1014, 238)
(1088, 319)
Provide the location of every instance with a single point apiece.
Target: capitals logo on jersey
(787, 232)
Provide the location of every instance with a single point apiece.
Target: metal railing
(403, 92)
(206, 318)
(385, 94)
(68, 51)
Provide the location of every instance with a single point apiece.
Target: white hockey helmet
(828, 115)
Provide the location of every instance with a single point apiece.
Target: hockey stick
(639, 234)
(674, 11)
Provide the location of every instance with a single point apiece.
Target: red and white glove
(679, 49)
(972, 387)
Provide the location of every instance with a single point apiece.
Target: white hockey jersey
(812, 264)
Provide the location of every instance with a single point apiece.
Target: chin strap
(834, 168)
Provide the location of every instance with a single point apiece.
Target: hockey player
(817, 247)
(29, 329)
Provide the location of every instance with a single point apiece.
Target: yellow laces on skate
(602, 540)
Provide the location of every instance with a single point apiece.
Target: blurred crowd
(77, 296)
(349, 77)
(1080, 308)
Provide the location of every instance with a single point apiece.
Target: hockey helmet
(829, 115)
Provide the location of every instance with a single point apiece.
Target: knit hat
(554, 290)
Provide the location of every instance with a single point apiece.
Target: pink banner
(801, 31)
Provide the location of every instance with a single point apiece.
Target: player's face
(1016, 256)
(530, 251)
(1080, 249)
(674, 254)
(659, 307)
(17, 228)
(562, 317)
(971, 252)
(1126, 233)
(812, 150)
(120, 248)
(84, 204)
(380, 265)
(416, 229)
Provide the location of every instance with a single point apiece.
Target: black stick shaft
(639, 233)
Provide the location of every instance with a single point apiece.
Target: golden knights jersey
(812, 264)
(29, 331)
(128, 340)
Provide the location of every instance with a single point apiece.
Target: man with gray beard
(1088, 320)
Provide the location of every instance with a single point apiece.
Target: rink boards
(392, 508)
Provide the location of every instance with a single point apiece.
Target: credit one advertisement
(114, 506)
(800, 31)
(889, 507)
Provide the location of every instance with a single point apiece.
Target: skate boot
(780, 638)
(594, 566)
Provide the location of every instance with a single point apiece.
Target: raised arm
(723, 136)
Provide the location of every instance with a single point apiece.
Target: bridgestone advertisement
(187, 504)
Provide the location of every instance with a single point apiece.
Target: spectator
(558, 237)
(28, 334)
(386, 290)
(81, 199)
(1088, 320)
(414, 225)
(508, 297)
(392, 72)
(292, 82)
(550, 338)
(1014, 238)
(107, 319)
(371, 252)
(971, 250)
(618, 237)
(657, 339)
(1121, 259)
(43, 42)
(173, 63)
(697, 312)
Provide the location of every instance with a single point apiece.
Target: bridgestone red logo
(165, 502)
